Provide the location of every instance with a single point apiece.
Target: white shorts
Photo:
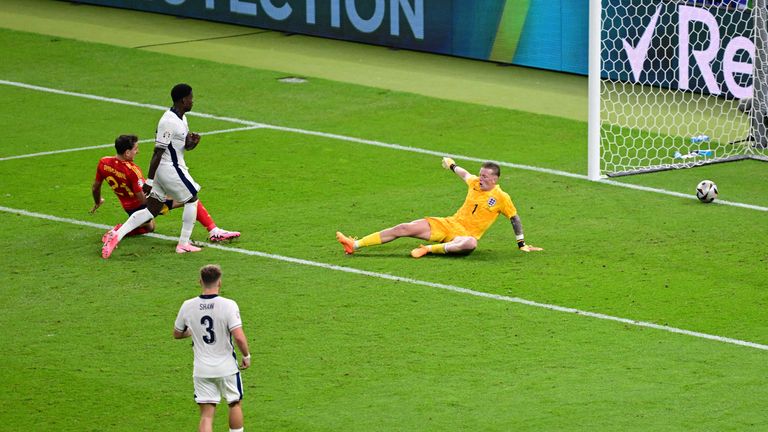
(175, 183)
(210, 390)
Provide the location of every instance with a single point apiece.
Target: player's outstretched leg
(110, 243)
(420, 251)
(104, 237)
(116, 234)
(419, 229)
(423, 250)
(217, 234)
(186, 247)
(459, 245)
(347, 242)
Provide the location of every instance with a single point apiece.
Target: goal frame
(595, 116)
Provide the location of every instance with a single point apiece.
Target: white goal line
(452, 288)
(378, 144)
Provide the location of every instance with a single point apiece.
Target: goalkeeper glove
(449, 164)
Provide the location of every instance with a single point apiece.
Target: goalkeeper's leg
(418, 229)
(459, 245)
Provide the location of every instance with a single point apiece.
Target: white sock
(237, 430)
(136, 220)
(188, 222)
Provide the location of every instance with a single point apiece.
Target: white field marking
(394, 278)
(112, 144)
(683, 195)
(121, 102)
(381, 144)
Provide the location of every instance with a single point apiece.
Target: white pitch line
(382, 144)
(452, 288)
(682, 195)
(289, 129)
(52, 152)
(121, 101)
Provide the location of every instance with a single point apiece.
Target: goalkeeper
(459, 233)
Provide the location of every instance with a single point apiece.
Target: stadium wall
(546, 34)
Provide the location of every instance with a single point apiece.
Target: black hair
(180, 91)
(124, 143)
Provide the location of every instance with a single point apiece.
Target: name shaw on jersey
(206, 306)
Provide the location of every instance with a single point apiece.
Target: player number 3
(207, 321)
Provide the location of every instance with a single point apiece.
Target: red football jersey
(125, 178)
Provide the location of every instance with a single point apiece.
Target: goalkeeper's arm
(449, 164)
(517, 225)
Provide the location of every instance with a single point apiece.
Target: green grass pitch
(87, 342)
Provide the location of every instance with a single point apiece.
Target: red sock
(138, 231)
(203, 217)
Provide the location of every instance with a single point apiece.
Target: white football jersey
(211, 318)
(172, 136)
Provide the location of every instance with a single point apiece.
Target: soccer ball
(706, 191)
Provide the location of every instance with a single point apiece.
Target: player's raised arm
(449, 164)
(517, 225)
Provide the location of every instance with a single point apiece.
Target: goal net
(681, 83)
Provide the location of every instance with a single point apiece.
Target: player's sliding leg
(417, 229)
(106, 234)
(457, 246)
(188, 219)
(347, 242)
(144, 229)
(204, 217)
(134, 221)
(215, 234)
(423, 250)
(351, 244)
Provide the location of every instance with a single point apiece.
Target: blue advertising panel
(548, 34)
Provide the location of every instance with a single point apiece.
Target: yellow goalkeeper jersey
(481, 208)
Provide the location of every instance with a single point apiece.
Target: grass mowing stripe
(383, 144)
(394, 278)
(123, 102)
(112, 144)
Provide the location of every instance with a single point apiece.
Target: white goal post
(676, 84)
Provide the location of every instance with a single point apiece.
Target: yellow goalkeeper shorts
(443, 230)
